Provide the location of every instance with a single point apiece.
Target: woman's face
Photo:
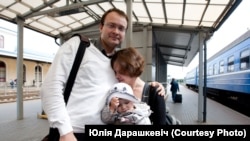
(122, 77)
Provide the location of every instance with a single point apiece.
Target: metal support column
(201, 82)
(129, 33)
(145, 53)
(20, 25)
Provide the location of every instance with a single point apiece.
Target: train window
(230, 64)
(244, 59)
(210, 70)
(221, 68)
(215, 69)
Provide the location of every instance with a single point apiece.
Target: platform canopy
(175, 23)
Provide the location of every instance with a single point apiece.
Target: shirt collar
(98, 45)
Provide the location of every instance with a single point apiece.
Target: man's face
(113, 31)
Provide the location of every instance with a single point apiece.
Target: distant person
(174, 88)
(12, 83)
(123, 108)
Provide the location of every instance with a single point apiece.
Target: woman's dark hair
(130, 61)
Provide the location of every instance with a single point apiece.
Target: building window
(2, 72)
(24, 74)
(38, 75)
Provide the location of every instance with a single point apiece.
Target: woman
(128, 65)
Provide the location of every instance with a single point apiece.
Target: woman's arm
(160, 88)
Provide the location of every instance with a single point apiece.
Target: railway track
(11, 96)
(233, 104)
(230, 103)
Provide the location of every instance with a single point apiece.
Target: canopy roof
(175, 23)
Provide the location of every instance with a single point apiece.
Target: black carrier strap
(170, 119)
(84, 43)
(145, 93)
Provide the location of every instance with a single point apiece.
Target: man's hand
(160, 88)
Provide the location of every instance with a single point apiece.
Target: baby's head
(126, 96)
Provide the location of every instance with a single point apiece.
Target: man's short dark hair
(120, 12)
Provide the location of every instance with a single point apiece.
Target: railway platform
(33, 128)
(216, 113)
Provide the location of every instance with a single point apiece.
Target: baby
(123, 108)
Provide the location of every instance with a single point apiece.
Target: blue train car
(228, 71)
(191, 79)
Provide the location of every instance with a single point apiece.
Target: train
(228, 72)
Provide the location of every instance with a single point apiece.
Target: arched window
(24, 74)
(38, 75)
(2, 72)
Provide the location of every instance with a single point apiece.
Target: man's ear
(100, 27)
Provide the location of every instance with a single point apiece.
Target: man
(174, 88)
(94, 78)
